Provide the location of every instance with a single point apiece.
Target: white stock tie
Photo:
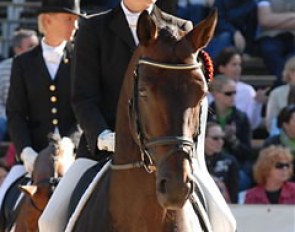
(51, 57)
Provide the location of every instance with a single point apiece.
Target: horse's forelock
(168, 45)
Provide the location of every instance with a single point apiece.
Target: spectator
(229, 63)
(194, 10)
(235, 125)
(222, 166)
(286, 137)
(10, 155)
(237, 25)
(22, 41)
(280, 97)
(272, 171)
(276, 20)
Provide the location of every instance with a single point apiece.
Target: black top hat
(61, 6)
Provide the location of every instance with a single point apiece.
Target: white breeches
(15, 172)
(54, 217)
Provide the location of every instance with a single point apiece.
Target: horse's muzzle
(174, 187)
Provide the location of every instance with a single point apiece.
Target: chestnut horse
(51, 164)
(149, 185)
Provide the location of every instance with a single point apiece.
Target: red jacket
(257, 195)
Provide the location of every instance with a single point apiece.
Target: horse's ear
(146, 29)
(28, 189)
(202, 34)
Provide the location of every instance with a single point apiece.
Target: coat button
(53, 99)
(54, 110)
(55, 122)
(52, 87)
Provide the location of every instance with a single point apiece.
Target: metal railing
(14, 20)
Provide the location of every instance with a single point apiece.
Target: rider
(103, 48)
(39, 96)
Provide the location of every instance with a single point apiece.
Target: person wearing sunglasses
(223, 167)
(235, 124)
(229, 63)
(286, 136)
(272, 172)
(281, 96)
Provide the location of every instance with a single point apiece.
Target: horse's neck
(44, 166)
(133, 200)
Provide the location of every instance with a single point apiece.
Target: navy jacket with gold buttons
(37, 104)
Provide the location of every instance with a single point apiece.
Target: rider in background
(39, 96)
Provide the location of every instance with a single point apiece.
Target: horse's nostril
(162, 186)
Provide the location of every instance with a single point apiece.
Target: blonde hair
(266, 160)
(219, 82)
(289, 67)
(41, 28)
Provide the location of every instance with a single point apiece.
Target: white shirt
(52, 56)
(132, 19)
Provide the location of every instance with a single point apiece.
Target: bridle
(181, 143)
(52, 181)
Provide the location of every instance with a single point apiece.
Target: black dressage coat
(36, 103)
(103, 49)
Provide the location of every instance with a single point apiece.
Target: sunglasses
(216, 138)
(229, 93)
(282, 165)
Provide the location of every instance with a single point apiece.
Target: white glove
(67, 156)
(28, 156)
(106, 141)
(67, 146)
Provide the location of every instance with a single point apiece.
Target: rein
(181, 143)
(51, 181)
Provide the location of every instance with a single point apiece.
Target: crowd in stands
(263, 28)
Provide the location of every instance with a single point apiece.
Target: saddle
(83, 184)
(12, 203)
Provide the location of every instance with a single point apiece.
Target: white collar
(57, 49)
(131, 17)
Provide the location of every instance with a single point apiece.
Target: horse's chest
(174, 222)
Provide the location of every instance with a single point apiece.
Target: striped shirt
(5, 71)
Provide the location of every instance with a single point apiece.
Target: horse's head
(165, 107)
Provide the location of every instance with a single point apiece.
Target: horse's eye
(142, 92)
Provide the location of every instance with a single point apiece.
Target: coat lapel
(119, 26)
(40, 64)
(65, 61)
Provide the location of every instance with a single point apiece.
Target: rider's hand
(67, 146)
(261, 95)
(28, 156)
(67, 156)
(106, 141)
